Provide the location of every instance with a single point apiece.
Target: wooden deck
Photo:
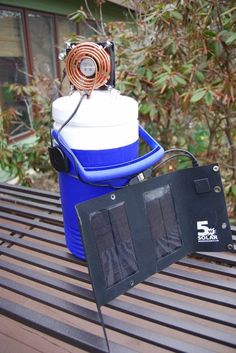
(47, 302)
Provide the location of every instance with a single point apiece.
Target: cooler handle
(122, 170)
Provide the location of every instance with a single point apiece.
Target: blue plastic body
(109, 168)
(74, 191)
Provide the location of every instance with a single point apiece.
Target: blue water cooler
(101, 145)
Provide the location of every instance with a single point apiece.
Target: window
(30, 43)
(12, 63)
(12, 54)
(42, 39)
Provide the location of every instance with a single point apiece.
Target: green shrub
(179, 61)
(19, 158)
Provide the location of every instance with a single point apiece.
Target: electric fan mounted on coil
(90, 66)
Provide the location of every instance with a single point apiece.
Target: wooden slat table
(47, 303)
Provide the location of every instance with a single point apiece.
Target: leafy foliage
(178, 59)
(19, 158)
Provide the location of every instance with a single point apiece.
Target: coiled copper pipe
(102, 63)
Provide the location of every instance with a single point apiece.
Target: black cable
(191, 156)
(74, 112)
(182, 154)
(67, 121)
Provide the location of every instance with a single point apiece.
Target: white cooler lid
(103, 108)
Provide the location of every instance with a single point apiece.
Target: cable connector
(141, 177)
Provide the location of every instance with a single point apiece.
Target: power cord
(187, 153)
(181, 153)
(68, 120)
(74, 112)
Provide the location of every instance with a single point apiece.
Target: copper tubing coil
(102, 63)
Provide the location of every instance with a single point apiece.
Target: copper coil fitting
(97, 74)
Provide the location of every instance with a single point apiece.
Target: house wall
(111, 11)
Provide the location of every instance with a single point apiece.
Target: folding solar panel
(138, 230)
